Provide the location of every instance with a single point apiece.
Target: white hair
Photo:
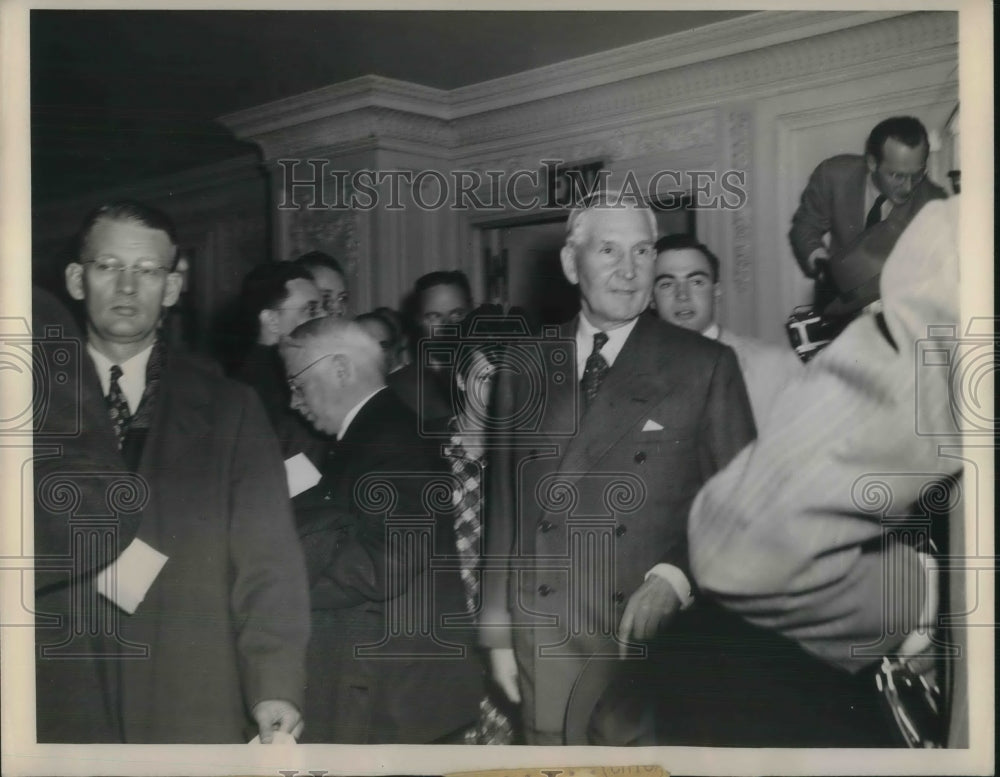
(335, 336)
(610, 198)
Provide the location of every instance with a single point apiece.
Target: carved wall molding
(741, 158)
(334, 232)
(627, 141)
(345, 130)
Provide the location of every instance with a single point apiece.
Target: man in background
(212, 585)
(276, 297)
(686, 292)
(439, 298)
(849, 194)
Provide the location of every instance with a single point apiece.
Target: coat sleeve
(269, 597)
(812, 219)
(791, 535)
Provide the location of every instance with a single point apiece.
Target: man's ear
(872, 163)
(74, 280)
(568, 258)
(343, 370)
(172, 291)
(717, 291)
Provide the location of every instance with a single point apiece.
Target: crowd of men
(437, 527)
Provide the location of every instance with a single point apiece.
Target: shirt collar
(585, 332)
(353, 412)
(133, 379)
(712, 332)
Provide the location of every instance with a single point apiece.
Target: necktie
(117, 406)
(875, 214)
(594, 370)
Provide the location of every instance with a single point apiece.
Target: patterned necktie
(117, 406)
(594, 370)
(875, 214)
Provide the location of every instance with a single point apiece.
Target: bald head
(332, 364)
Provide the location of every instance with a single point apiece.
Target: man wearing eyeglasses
(212, 584)
(379, 671)
(850, 194)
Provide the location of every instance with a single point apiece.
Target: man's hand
(652, 606)
(819, 261)
(277, 715)
(503, 665)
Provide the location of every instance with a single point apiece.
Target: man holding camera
(624, 440)
(849, 194)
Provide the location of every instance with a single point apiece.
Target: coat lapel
(179, 432)
(636, 382)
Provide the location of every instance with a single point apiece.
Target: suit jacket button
(639, 457)
(619, 597)
(620, 530)
(544, 526)
(545, 590)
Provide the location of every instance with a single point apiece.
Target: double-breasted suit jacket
(580, 510)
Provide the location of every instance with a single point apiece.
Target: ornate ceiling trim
(763, 53)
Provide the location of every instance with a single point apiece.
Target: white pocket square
(651, 426)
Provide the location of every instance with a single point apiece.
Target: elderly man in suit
(379, 671)
(848, 194)
(225, 619)
(587, 512)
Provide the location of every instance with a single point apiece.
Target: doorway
(524, 270)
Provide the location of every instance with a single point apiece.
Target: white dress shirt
(133, 379)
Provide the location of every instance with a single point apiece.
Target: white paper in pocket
(126, 580)
(301, 474)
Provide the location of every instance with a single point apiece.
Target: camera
(487, 354)
(809, 332)
(954, 380)
(51, 362)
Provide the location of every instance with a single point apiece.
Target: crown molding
(901, 41)
(764, 53)
(359, 94)
(722, 39)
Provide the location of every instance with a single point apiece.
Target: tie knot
(116, 372)
(600, 338)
